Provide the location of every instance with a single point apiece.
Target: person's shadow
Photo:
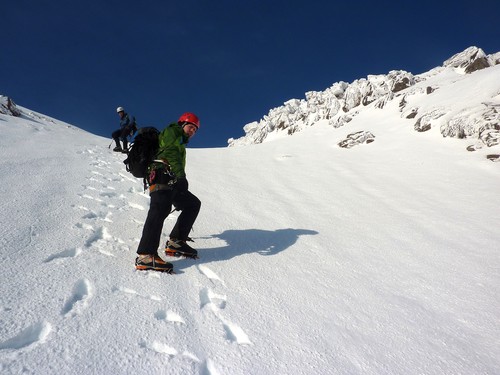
(239, 242)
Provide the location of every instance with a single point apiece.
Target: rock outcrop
(8, 107)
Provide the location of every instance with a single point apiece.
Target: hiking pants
(160, 207)
(122, 134)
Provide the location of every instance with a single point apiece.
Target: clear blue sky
(228, 61)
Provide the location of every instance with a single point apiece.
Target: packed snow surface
(315, 259)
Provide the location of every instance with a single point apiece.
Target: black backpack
(142, 152)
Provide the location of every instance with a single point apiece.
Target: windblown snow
(377, 258)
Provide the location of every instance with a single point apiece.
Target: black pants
(160, 207)
(122, 134)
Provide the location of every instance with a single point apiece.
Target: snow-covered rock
(470, 60)
(343, 102)
(8, 107)
(357, 138)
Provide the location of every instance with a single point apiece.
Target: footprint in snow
(79, 300)
(209, 297)
(141, 192)
(98, 216)
(86, 196)
(216, 303)
(135, 293)
(234, 333)
(31, 336)
(83, 208)
(162, 348)
(128, 178)
(90, 215)
(159, 347)
(99, 234)
(97, 173)
(84, 226)
(210, 368)
(210, 274)
(169, 316)
(100, 164)
(69, 253)
(108, 194)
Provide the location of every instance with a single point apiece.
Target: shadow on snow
(240, 242)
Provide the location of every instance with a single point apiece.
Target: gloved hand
(181, 184)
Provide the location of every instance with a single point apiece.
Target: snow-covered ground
(379, 259)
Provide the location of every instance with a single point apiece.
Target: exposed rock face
(490, 137)
(477, 65)
(8, 107)
(357, 138)
(470, 60)
(493, 157)
(424, 123)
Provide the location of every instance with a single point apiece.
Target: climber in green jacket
(169, 186)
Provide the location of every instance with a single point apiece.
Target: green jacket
(172, 148)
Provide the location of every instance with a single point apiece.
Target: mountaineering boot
(125, 147)
(179, 248)
(154, 263)
(118, 149)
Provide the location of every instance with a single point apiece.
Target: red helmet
(190, 118)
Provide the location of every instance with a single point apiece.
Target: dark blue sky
(230, 62)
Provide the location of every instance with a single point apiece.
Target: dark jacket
(127, 121)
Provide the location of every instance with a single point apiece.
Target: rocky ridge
(342, 102)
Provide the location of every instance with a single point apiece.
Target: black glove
(181, 184)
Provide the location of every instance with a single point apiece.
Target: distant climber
(127, 128)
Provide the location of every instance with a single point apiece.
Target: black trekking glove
(182, 184)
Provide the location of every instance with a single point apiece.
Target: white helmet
(119, 109)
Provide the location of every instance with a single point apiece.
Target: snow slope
(379, 259)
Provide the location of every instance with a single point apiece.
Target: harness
(161, 178)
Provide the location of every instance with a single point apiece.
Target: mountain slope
(378, 259)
